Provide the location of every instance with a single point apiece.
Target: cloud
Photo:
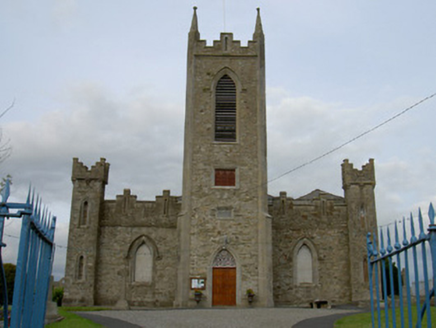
(301, 129)
(141, 136)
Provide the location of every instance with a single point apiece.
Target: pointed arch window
(224, 259)
(143, 264)
(225, 110)
(304, 265)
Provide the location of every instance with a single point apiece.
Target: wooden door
(224, 286)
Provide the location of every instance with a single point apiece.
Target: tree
(397, 284)
(10, 280)
(58, 295)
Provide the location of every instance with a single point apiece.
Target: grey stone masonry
(225, 235)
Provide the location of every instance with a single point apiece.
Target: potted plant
(197, 295)
(250, 295)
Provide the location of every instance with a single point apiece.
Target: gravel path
(211, 318)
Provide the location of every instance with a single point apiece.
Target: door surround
(209, 281)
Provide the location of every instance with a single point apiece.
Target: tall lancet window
(304, 265)
(225, 110)
(81, 268)
(143, 264)
(84, 214)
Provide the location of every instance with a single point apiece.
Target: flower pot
(197, 297)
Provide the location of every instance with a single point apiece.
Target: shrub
(58, 295)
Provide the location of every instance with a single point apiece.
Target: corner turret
(86, 211)
(352, 176)
(99, 171)
(358, 188)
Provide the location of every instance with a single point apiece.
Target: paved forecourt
(211, 318)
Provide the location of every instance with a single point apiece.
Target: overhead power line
(355, 138)
(7, 109)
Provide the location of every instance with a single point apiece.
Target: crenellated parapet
(125, 203)
(126, 210)
(99, 171)
(226, 46)
(352, 176)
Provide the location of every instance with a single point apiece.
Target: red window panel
(225, 177)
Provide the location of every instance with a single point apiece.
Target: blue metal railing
(34, 262)
(381, 261)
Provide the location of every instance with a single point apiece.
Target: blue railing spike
(382, 244)
(44, 219)
(29, 195)
(369, 244)
(383, 281)
(421, 225)
(405, 241)
(34, 262)
(38, 214)
(412, 229)
(431, 214)
(34, 197)
(374, 240)
(36, 204)
(52, 228)
(49, 218)
(389, 248)
(397, 240)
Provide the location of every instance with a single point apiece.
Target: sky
(94, 79)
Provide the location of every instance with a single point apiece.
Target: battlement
(226, 46)
(350, 175)
(127, 210)
(99, 171)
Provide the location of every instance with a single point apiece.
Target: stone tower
(224, 226)
(86, 206)
(358, 188)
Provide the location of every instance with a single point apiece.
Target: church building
(224, 235)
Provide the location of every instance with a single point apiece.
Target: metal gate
(34, 262)
(400, 257)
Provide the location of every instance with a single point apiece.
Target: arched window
(84, 214)
(224, 259)
(81, 268)
(304, 265)
(225, 110)
(143, 264)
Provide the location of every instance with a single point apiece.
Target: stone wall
(126, 224)
(182, 238)
(86, 210)
(115, 267)
(318, 220)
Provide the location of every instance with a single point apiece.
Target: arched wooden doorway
(224, 279)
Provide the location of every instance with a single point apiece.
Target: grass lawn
(72, 320)
(363, 320)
